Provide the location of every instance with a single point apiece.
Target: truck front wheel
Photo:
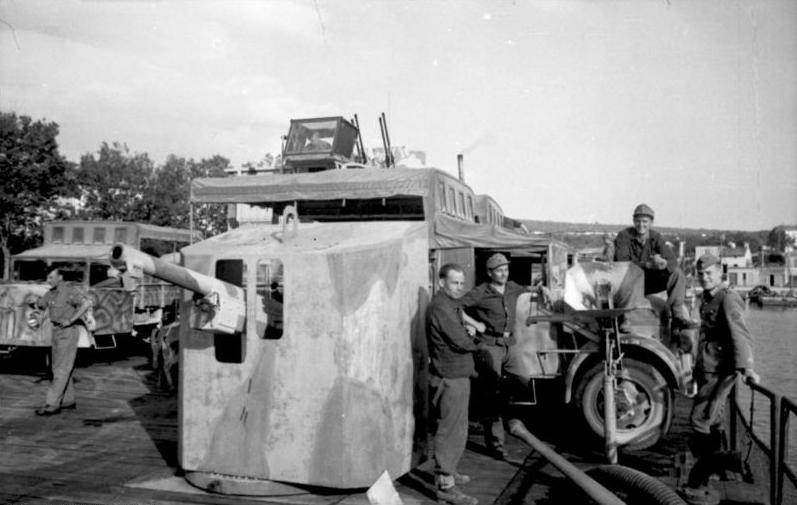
(643, 399)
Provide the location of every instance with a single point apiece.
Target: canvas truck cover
(325, 185)
(97, 253)
(445, 232)
(333, 400)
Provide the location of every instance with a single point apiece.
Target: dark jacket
(450, 346)
(628, 247)
(495, 310)
(725, 342)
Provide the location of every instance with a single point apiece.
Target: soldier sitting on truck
(646, 248)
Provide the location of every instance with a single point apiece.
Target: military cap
(644, 210)
(496, 260)
(706, 261)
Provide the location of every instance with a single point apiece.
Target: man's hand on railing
(750, 377)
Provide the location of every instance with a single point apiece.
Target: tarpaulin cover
(447, 232)
(166, 233)
(98, 252)
(326, 185)
(450, 232)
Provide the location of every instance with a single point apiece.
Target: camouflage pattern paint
(332, 402)
(15, 312)
(113, 310)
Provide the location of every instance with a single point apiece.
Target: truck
(80, 248)
(302, 341)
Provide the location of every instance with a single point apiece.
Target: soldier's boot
(447, 491)
(460, 479)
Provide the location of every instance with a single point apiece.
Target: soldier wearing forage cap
(492, 306)
(725, 349)
(646, 248)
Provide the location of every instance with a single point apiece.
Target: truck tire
(643, 399)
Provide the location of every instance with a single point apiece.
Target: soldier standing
(725, 350)
(451, 350)
(66, 305)
(492, 305)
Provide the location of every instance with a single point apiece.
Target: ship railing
(762, 434)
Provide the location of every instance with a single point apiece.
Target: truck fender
(643, 348)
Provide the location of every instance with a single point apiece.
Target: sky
(567, 110)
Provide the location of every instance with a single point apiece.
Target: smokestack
(460, 167)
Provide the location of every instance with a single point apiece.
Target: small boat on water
(763, 296)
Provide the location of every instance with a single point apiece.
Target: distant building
(744, 277)
(774, 277)
(739, 257)
(707, 249)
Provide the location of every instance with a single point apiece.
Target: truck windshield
(30, 271)
(73, 271)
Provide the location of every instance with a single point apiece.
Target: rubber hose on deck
(640, 488)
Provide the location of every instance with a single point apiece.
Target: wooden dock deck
(120, 447)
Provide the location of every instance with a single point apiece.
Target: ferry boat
(302, 359)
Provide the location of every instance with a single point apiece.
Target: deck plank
(124, 436)
(120, 447)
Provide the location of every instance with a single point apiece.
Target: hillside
(597, 228)
(590, 235)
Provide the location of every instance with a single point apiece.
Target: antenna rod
(387, 137)
(384, 142)
(360, 139)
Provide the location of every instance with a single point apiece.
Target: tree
(114, 182)
(167, 199)
(210, 219)
(165, 202)
(34, 174)
(778, 239)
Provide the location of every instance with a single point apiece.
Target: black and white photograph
(386, 252)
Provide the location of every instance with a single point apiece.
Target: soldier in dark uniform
(490, 307)
(725, 350)
(646, 248)
(451, 349)
(66, 305)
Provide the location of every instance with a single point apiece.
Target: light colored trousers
(64, 345)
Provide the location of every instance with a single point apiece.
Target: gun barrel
(138, 263)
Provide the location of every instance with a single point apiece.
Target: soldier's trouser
(450, 399)
(64, 351)
(707, 441)
(673, 282)
(492, 362)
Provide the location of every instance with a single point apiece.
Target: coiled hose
(635, 486)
